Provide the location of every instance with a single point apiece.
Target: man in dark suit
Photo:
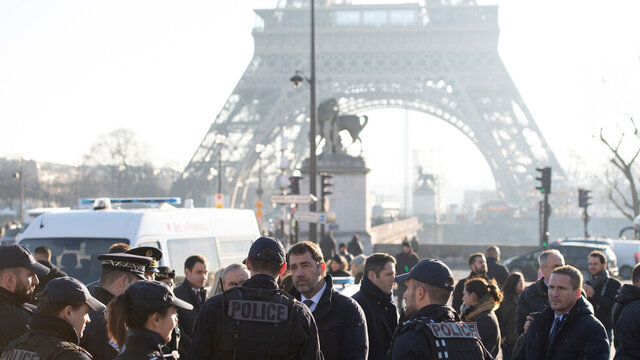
(342, 326)
(601, 290)
(192, 291)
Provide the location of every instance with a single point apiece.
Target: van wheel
(625, 273)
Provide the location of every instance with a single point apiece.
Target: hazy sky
(72, 70)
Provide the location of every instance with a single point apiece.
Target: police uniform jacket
(626, 322)
(95, 339)
(342, 325)
(458, 291)
(53, 337)
(411, 342)
(303, 339)
(533, 299)
(604, 296)
(15, 316)
(580, 336)
(497, 271)
(381, 315)
(187, 318)
(143, 344)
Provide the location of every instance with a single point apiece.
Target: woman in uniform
(58, 324)
(148, 310)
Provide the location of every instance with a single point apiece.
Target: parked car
(627, 251)
(575, 254)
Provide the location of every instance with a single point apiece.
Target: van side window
(181, 249)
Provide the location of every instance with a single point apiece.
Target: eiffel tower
(438, 59)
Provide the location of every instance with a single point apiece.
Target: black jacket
(355, 246)
(328, 247)
(533, 299)
(304, 334)
(603, 304)
(497, 271)
(406, 261)
(59, 333)
(488, 327)
(506, 314)
(381, 315)
(342, 325)
(626, 322)
(14, 315)
(95, 339)
(414, 344)
(187, 318)
(456, 298)
(581, 336)
(143, 345)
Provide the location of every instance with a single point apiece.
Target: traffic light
(327, 184)
(583, 198)
(294, 185)
(545, 180)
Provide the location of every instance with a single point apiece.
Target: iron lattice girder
(444, 67)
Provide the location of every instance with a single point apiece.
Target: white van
(77, 237)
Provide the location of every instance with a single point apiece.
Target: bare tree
(624, 196)
(119, 159)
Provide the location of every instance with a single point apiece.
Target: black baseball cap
(262, 243)
(430, 271)
(16, 255)
(68, 290)
(154, 253)
(134, 264)
(154, 295)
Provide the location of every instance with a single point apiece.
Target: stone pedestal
(349, 199)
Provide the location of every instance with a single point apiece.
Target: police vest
(264, 315)
(449, 340)
(29, 347)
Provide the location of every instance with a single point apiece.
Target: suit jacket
(580, 336)
(187, 318)
(342, 325)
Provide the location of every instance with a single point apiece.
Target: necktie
(308, 303)
(199, 297)
(555, 327)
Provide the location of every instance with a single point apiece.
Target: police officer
(166, 275)
(434, 330)
(151, 270)
(119, 271)
(18, 279)
(58, 324)
(144, 316)
(256, 320)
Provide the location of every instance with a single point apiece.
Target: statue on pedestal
(331, 123)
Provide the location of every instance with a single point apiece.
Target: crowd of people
(282, 304)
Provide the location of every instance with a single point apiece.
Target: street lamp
(297, 81)
(259, 149)
(219, 201)
(18, 175)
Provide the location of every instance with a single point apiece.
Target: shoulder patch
(446, 330)
(260, 311)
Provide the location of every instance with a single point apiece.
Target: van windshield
(78, 257)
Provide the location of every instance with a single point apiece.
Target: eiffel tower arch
(439, 60)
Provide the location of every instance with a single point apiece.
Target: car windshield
(78, 257)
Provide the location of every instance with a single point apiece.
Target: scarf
(486, 303)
